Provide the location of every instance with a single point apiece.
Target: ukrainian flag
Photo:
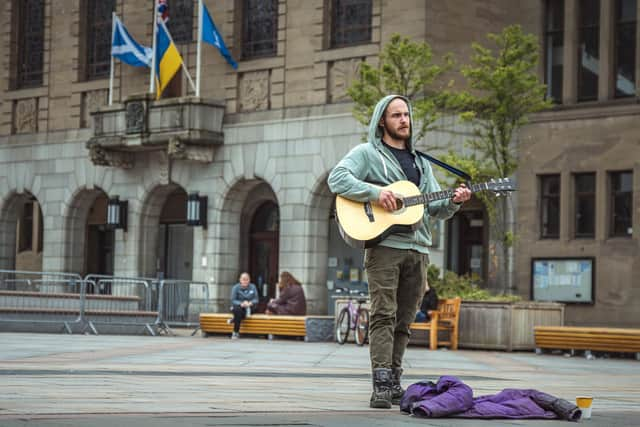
(168, 59)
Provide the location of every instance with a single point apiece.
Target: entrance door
(264, 251)
(466, 243)
(177, 251)
(100, 246)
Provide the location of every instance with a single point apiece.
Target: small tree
(504, 90)
(405, 68)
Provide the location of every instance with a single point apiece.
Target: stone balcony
(186, 128)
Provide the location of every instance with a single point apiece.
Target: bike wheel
(362, 326)
(342, 326)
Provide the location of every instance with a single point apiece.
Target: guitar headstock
(500, 186)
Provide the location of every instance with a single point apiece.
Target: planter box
(505, 326)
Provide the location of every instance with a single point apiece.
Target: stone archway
(22, 228)
(85, 215)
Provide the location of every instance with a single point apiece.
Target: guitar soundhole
(399, 204)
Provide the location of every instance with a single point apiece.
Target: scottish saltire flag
(163, 10)
(211, 35)
(126, 49)
(168, 59)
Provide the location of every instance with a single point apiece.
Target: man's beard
(395, 135)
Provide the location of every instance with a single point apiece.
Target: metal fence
(42, 297)
(180, 303)
(99, 303)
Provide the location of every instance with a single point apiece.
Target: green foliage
(405, 68)
(504, 90)
(467, 287)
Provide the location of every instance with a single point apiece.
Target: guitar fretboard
(422, 199)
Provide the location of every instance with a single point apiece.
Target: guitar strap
(446, 166)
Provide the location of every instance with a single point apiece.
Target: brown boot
(381, 396)
(396, 389)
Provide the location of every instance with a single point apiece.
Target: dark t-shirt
(407, 162)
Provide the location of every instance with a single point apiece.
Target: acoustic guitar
(365, 224)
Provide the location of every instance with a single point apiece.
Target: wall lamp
(117, 213)
(197, 210)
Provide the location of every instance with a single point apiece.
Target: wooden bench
(311, 328)
(615, 340)
(445, 319)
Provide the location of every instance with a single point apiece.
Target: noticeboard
(562, 279)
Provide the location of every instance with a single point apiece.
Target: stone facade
(286, 123)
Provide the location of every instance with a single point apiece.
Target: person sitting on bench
(244, 296)
(291, 300)
(429, 302)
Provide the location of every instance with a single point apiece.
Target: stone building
(256, 147)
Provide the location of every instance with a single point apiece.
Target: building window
(29, 16)
(550, 206)
(98, 48)
(180, 23)
(585, 204)
(588, 49)
(350, 22)
(554, 43)
(620, 205)
(625, 50)
(259, 28)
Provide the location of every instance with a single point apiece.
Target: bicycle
(354, 318)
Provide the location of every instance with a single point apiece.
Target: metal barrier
(42, 298)
(120, 301)
(180, 303)
(114, 301)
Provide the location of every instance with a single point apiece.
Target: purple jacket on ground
(450, 397)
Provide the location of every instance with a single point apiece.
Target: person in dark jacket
(291, 300)
(429, 302)
(244, 296)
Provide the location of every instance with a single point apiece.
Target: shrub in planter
(451, 285)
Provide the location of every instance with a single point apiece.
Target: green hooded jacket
(359, 175)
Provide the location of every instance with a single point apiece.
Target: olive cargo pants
(396, 284)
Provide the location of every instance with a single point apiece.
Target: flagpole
(113, 32)
(199, 48)
(153, 49)
(193, 86)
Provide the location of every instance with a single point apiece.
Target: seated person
(291, 300)
(429, 302)
(244, 295)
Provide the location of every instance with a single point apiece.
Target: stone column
(606, 71)
(570, 53)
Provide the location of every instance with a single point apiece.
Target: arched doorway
(175, 238)
(100, 239)
(264, 249)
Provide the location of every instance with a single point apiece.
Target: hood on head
(375, 132)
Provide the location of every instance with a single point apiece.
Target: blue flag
(211, 35)
(126, 49)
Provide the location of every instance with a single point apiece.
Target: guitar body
(363, 225)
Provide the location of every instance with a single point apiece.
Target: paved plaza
(84, 380)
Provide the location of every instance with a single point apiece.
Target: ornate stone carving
(177, 149)
(254, 91)
(135, 116)
(102, 157)
(91, 101)
(25, 115)
(341, 76)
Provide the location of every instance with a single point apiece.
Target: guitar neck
(423, 199)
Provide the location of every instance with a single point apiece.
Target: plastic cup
(585, 403)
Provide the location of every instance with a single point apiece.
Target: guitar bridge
(369, 211)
